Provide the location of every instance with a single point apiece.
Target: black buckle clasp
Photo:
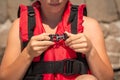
(72, 66)
(57, 37)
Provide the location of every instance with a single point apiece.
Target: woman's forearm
(98, 68)
(17, 69)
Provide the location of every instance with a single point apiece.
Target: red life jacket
(59, 62)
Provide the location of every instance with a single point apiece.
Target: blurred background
(107, 12)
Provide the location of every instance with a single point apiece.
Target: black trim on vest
(31, 21)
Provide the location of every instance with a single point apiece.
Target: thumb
(68, 34)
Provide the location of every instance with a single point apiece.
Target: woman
(90, 43)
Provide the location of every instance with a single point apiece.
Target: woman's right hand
(38, 44)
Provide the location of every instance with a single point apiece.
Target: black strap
(31, 26)
(117, 69)
(30, 75)
(73, 18)
(31, 21)
(24, 44)
(18, 14)
(83, 59)
(34, 77)
(85, 11)
(66, 67)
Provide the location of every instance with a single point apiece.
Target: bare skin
(90, 42)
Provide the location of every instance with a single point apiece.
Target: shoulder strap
(31, 25)
(31, 22)
(85, 11)
(74, 17)
(18, 14)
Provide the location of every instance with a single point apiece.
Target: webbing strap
(83, 59)
(31, 24)
(85, 11)
(73, 18)
(34, 77)
(18, 14)
(31, 21)
(24, 44)
(65, 67)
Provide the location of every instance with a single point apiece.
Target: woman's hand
(79, 42)
(38, 44)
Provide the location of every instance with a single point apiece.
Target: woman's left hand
(78, 42)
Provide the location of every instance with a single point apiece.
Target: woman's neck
(51, 19)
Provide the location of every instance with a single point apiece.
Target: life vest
(59, 62)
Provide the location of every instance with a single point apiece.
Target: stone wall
(107, 12)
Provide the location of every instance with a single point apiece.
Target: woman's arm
(97, 58)
(91, 43)
(15, 63)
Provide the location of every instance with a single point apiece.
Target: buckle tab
(72, 66)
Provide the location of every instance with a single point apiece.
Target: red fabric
(58, 51)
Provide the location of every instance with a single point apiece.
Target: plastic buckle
(61, 37)
(68, 67)
(53, 37)
(31, 13)
(71, 67)
(74, 8)
(57, 37)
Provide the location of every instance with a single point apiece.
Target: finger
(39, 51)
(82, 50)
(41, 48)
(68, 34)
(40, 37)
(79, 46)
(45, 43)
(77, 41)
(42, 43)
(73, 38)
